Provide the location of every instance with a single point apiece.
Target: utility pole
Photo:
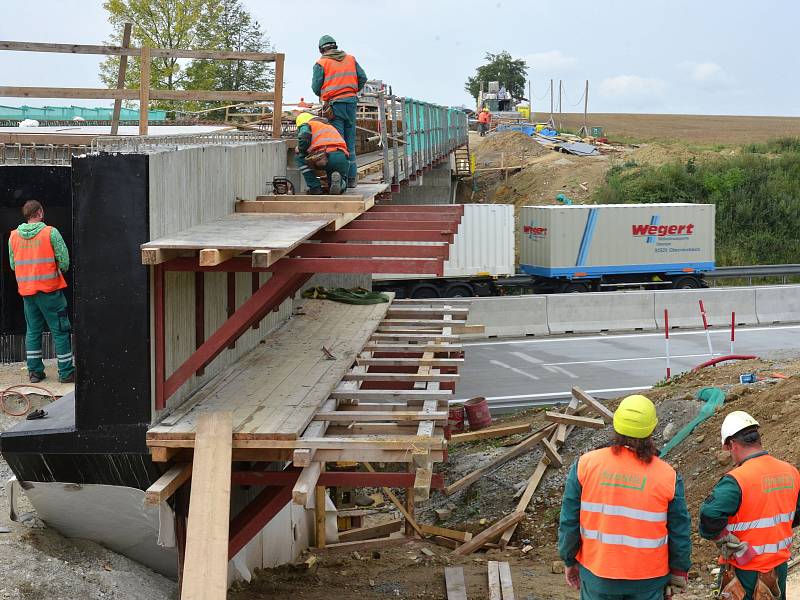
(530, 102)
(584, 130)
(551, 122)
(560, 87)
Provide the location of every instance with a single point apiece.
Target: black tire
(574, 288)
(686, 282)
(459, 291)
(423, 291)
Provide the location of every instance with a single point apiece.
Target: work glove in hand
(731, 546)
(678, 579)
(573, 576)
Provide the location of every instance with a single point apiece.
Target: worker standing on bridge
(625, 529)
(337, 80)
(750, 514)
(484, 118)
(319, 146)
(38, 256)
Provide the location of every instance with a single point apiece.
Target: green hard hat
(325, 40)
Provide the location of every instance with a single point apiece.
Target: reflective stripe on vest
(623, 514)
(35, 266)
(764, 520)
(340, 78)
(325, 137)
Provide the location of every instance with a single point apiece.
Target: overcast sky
(658, 56)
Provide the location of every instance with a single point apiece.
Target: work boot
(351, 182)
(68, 379)
(36, 377)
(336, 184)
(315, 191)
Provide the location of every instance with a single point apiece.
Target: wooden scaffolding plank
(493, 576)
(506, 582)
(166, 485)
(305, 484)
(593, 404)
(454, 582)
(303, 205)
(489, 533)
(590, 422)
(205, 569)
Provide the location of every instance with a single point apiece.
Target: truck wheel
(574, 288)
(687, 282)
(459, 291)
(424, 291)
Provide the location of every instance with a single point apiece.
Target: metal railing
(159, 143)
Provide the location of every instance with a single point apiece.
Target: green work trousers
(749, 579)
(337, 162)
(588, 593)
(344, 120)
(48, 309)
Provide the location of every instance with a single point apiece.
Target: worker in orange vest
(38, 256)
(750, 514)
(319, 146)
(625, 531)
(484, 118)
(337, 79)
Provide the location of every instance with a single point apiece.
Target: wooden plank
(400, 312)
(410, 362)
(399, 377)
(109, 50)
(302, 205)
(453, 534)
(319, 516)
(413, 337)
(123, 69)
(364, 544)
(264, 258)
(488, 534)
(156, 256)
(527, 496)
(160, 454)
(506, 582)
(590, 422)
(363, 415)
(205, 569)
(306, 483)
(277, 104)
(211, 257)
(454, 582)
(493, 576)
(494, 432)
(398, 395)
(552, 453)
(446, 542)
(421, 322)
(144, 89)
(166, 485)
(396, 501)
(431, 301)
(593, 404)
(368, 533)
(422, 485)
(302, 457)
(425, 347)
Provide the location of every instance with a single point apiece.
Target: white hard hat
(735, 422)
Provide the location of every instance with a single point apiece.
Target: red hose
(26, 401)
(720, 359)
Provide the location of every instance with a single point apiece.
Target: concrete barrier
(778, 304)
(601, 311)
(684, 307)
(509, 316)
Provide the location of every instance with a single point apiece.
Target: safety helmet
(635, 417)
(734, 423)
(303, 118)
(326, 40)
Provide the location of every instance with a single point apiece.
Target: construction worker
(38, 256)
(337, 79)
(750, 514)
(625, 530)
(319, 144)
(484, 118)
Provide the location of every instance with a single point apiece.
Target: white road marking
(514, 369)
(558, 394)
(611, 360)
(527, 358)
(562, 370)
(578, 338)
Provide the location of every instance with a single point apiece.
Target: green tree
(500, 67)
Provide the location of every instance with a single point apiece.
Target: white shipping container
(601, 239)
(483, 245)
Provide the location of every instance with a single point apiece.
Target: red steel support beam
(231, 304)
(199, 312)
(370, 250)
(333, 478)
(158, 334)
(449, 226)
(255, 283)
(255, 516)
(408, 216)
(322, 265)
(377, 235)
(437, 208)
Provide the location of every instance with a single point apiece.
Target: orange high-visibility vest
(325, 137)
(484, 117)
(35, 265)
(623, 517)
(340, 78)
(764, 519)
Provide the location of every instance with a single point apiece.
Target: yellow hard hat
(635, 417)
(303, 118)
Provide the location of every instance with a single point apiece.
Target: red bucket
(478, 413)
(455, 420)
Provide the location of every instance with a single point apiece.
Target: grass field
(697, 129)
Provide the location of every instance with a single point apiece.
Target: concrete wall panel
(778, 304)
(684, 307)
(510, 316)
(602, 311)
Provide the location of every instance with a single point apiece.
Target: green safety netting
(713, 398)
(351, 296)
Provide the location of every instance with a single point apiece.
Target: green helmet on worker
(326, 42)
(635, 417)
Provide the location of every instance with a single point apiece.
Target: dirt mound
(514, 145)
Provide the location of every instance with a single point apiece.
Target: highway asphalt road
(520, 372)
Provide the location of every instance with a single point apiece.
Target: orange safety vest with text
(764, 519)
(623, 516)
(484, 117)
(35, 265)
(325, 137)
(340, 78)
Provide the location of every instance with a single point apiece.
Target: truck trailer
(570, 249)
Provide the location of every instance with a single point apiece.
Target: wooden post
(560, 88)
(410, 504)
(586, 108)
(551, 102)
(123, 68)
(144, 89)
(319, 515)
(277, 103)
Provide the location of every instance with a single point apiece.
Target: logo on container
(534, 232)
(655, 230)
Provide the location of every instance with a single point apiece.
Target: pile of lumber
(551, 438)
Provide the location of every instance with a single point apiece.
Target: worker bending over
(750, 514)
(319, 146)
(38, 256)
(625, 529)
(337, 79)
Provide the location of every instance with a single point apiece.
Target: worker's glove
(731, 546)
(744, 554)
(678, 579)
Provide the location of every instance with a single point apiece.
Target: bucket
(478, 413)
(455, 420)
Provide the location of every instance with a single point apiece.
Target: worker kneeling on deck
(750, 514)
(625, 529)
(319, 146)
